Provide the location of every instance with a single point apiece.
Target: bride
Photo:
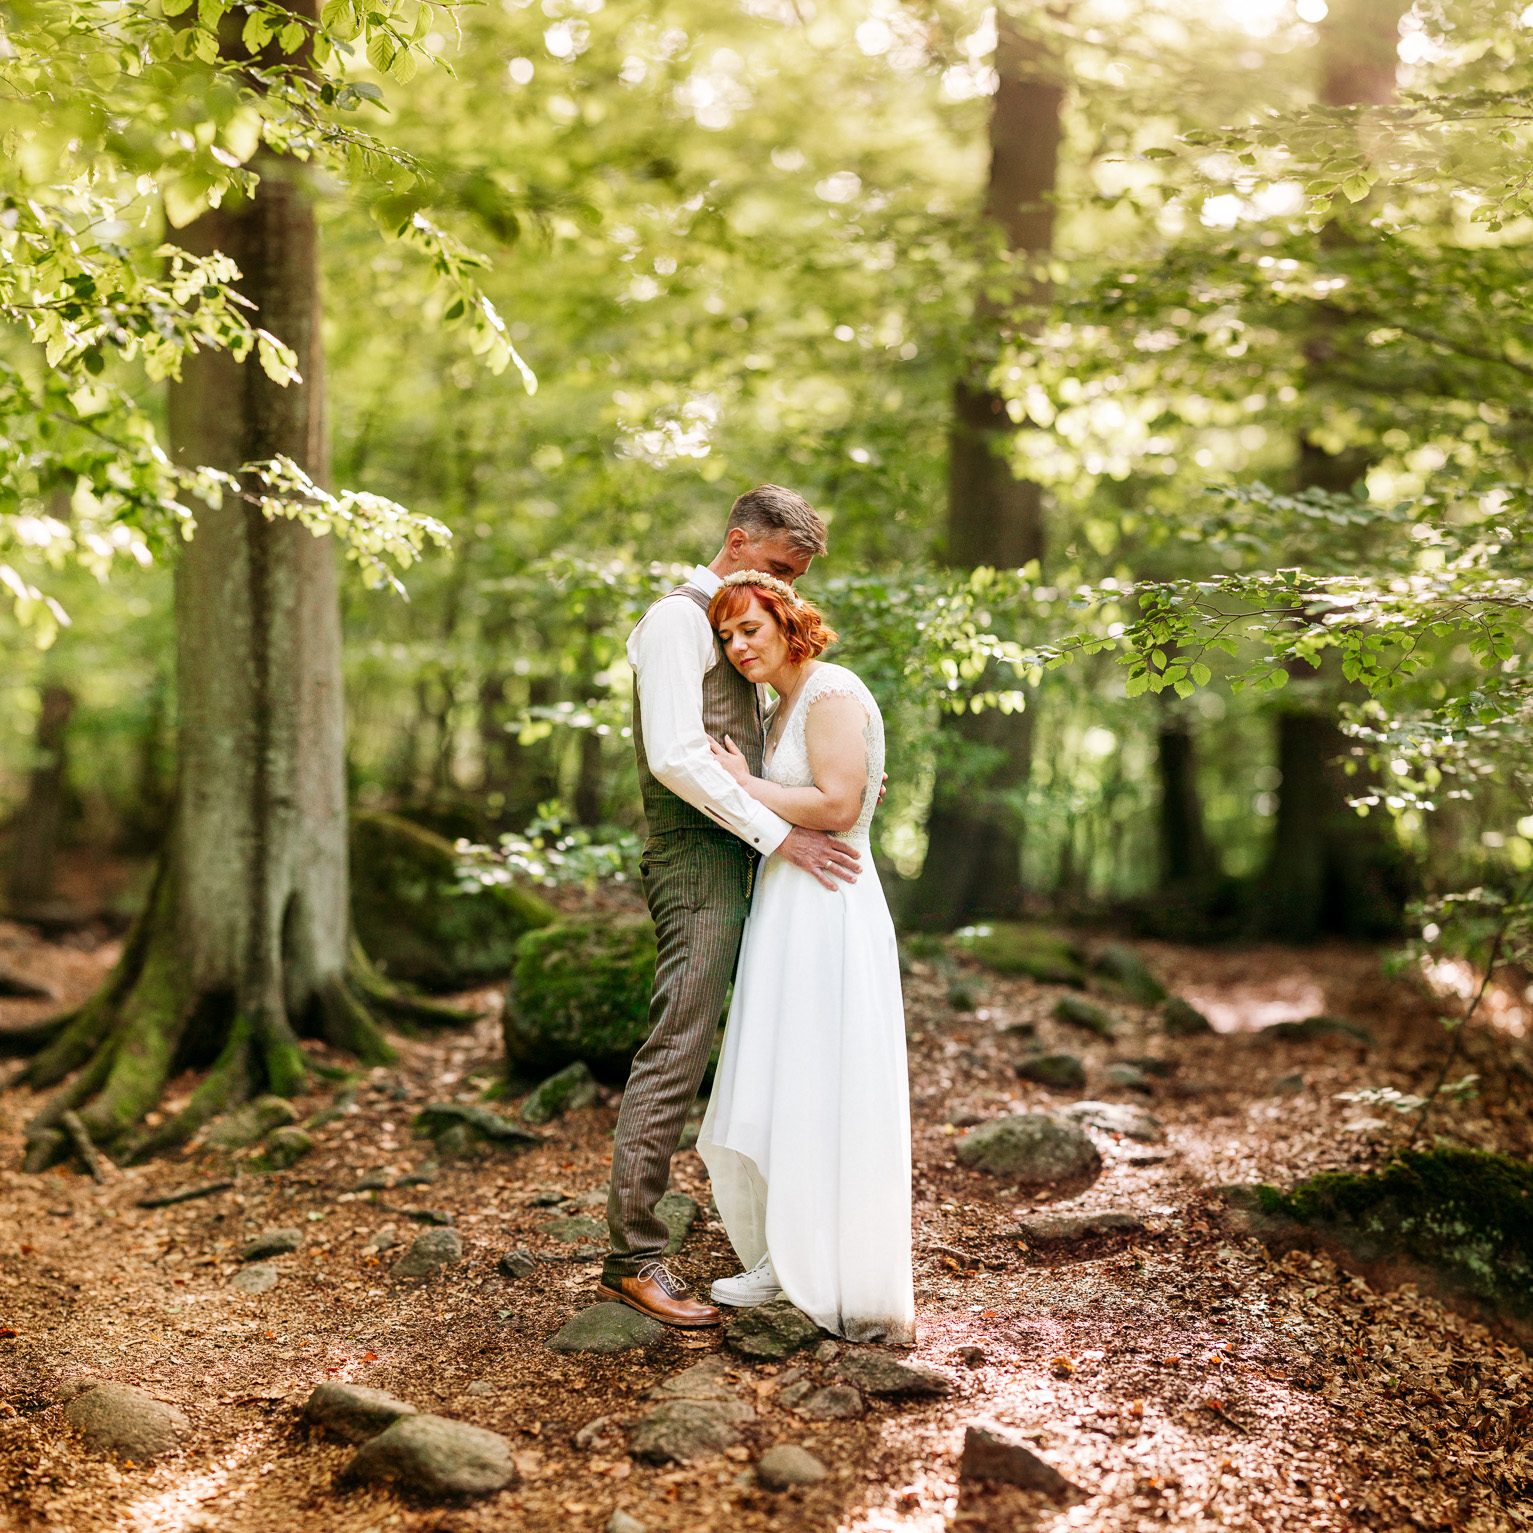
(807, 1131)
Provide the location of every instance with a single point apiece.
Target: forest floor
(1183, 1376)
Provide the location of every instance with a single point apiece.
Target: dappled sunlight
(1504, 1006)
(1247, 1007)
(180, 1505)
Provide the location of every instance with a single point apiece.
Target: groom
(705, 834)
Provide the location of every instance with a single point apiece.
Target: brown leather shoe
(660, 1294)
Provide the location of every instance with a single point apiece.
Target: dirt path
(1181, 1377)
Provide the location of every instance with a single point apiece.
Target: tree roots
(112, 1058)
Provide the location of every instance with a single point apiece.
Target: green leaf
(290, 38)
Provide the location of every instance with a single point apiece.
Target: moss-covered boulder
(423, 916)
(1015, 947)
(1460, 1215)
(1077, 1011)
(1182, 1019)
(573, 1086)
(580, 990)
(1322, 1026)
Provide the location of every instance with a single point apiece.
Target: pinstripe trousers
(697, 883)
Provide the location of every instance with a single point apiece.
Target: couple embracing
(754, 872)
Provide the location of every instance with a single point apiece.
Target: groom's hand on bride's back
(829, 860)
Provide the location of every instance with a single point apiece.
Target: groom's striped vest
(730, 707)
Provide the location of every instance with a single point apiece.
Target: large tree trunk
(39, 823)
(244, 944)
(1329, 870)
(1189, 863)
(974, 831)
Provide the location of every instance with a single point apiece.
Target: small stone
(285, 1147)
(438, 1118)
(606, 1327)
(1057, 1229)
(622, 1522)
(1118, 1118)
(572, 1087)
(704, 1380)
(574, 1228)
(835, 1402)
(1319, 1027)
(253, 1121)
(353, 1411)
(438, 1216)
(877, 1373)
(827, 1352)
(1035, 1148)
(1183, 1020)
(117, 1418)
(993, 1457)
(1126, 972)
(480, 1388)
(678, 1213)
(431, 1251)
(384, 1238)
(787, 1465)
(259, 1278)
(271, 1243)
(679, 1431)
(548, 1197)
(422, 1176)
(1064, 1071)
(517, 1264)
(1288, 1085)
(972, 1357)
(373, 1181)
(1127, 1077)
(1151, 1064)
(436, 1458)
(1077, 1011)
(770, 1332)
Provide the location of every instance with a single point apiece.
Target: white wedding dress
(807, 1131)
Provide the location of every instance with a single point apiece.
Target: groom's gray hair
(769, 509)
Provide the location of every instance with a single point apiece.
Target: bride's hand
(729, 756)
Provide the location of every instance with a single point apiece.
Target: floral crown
(766, 582)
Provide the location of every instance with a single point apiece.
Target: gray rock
(428, 1215)
(1320, 1027)
(1036, 1148)
(679, 1431)
(1126, 972)
(1151, 1064)
(835, 1402)
(678, 1213)
(271, 1243)
(574, 1228)
(436, 1458)
(517, 1264)
(622, 1522)
(422, 1176)
(1183, 1020)
(1055, 1229)
(770, 1332)
(705, 1380)
(354, 1412)
(787, 1465)
(606, 1327)
(480, 1388)
(117, 1418)
(384, 1238)
(253, 1121)
(1064, 1071)
(260, 1277)
(572, 1087)
(1289, 1085)
(1118, 1118)
(431, 1251)
(479, 1123)
(374, 1181)
(877, 1373)
(1077, 1011)
(285, 1147)
(1127, 1077)
(548, 1197)
(993, 1457)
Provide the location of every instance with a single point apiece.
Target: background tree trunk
(1330, 871)
(39, 822)
(974, 835)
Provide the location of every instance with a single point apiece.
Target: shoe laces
(664, 1277)
(763, 1268)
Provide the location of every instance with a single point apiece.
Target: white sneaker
(747, 1289)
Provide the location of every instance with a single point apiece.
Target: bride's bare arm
(838, 759)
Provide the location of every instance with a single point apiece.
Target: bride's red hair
(800, 621)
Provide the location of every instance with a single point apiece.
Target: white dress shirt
(671, 649)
